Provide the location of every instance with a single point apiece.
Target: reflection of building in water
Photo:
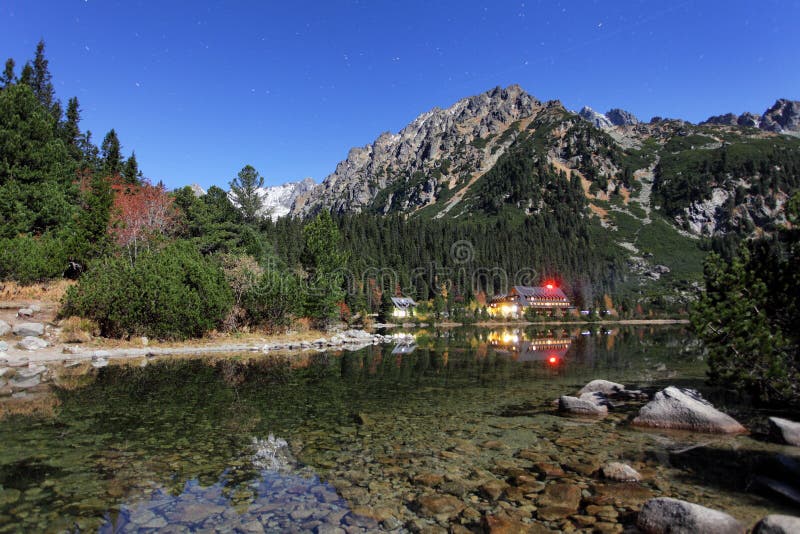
(551, 348)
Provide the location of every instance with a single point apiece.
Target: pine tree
(42, 80)
(71, 130)
(111, 154)
(244, 189)
(130, 171)
(8, 73)
(26, 76)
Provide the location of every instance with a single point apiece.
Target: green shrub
(174, 293)
(273, 300)
(32, 259)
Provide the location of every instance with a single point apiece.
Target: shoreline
(295, 343)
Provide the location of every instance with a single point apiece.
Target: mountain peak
(441, 145)
(782, 117)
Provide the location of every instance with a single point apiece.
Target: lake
(454, 432)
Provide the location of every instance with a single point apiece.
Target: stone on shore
(32, 343)
(605, 387)
(778, 524)
(663, 515)
(785, 431)
(576, 406)
(621, 472)
(685, 409)
(28, 329)
(5, 328)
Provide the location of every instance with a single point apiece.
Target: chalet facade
(403, 307)
(545, 299)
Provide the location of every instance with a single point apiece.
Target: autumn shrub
(173, 293)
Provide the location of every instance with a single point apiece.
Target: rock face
(620, 117)
(597, 119)
(728, 119)
(28, 329)
(777, 524)
(665, 515)
(785, 431)
(750, 120)
(782, 117)
(437, 147)
(613, 117)
(685, 410)
(5, 328)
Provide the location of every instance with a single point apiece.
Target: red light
(549, 286)
(553, 360)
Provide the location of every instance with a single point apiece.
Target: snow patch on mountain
(278, 199)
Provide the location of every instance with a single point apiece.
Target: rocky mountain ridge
(437, 160)
(782, 117)
(439, 149)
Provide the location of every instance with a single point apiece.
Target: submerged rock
(576, 406)
(777, 487)
(440, 506)
(663, 515)
(785, 431)
(621, 472)
(685, 409)
(777, 524)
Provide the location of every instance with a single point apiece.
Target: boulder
(5, 328)
(621, 472)
(3, 346)
(785, 431)
(25, 312)
(664, 515)
(576, 406)
(28, 329)
(605, 387)
(32, 343)
(25, 383)
(685, 409)
(777, 524)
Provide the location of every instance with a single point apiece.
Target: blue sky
(199, 89)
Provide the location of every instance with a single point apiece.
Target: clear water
(185, 443)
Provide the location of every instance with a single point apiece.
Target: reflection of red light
(553, 360)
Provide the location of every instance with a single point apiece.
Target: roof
(539, 292)
(403, 302)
